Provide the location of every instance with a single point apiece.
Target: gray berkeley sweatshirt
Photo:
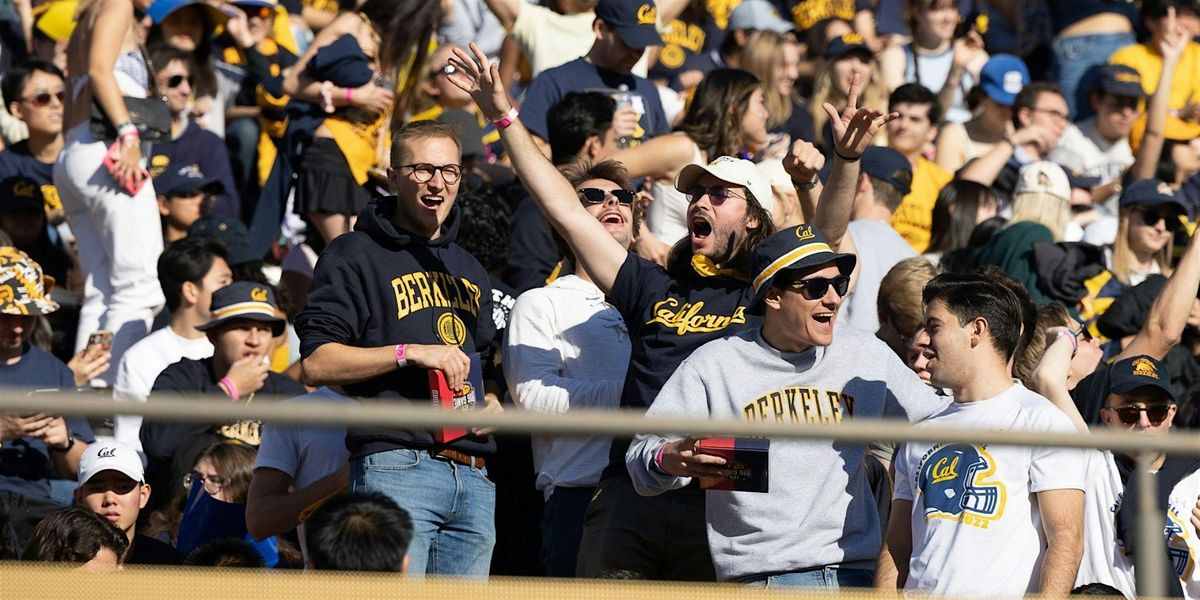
(819, 510)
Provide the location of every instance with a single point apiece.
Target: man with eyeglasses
(817, 524)
(566, 348)
(700, 296)
(391, 302)
(33, 92)
(190, 143)
(112, 485)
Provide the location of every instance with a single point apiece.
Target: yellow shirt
(1185, 87)
(914, 217)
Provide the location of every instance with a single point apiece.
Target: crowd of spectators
(959, 213)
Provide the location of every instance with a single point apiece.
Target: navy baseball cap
(1002, 77)
(244, 300)
(1137, 372)
(1152, 192)
(1078, 180)
(185, 180)
(633, 20)
(1120, 80)
(161, 9)
(230, 232)
(847, 43)
(20, 193)
(794, 248)
(888, 165)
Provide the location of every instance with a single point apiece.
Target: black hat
(185, 180)
(1140, 371)
(888, 165)
(229, 231)
(633, 20)
(847, 43)
(1081, 181)
(1120, 80)
(20, 193)
(244, 300)
(1152, 192)
(794, 248)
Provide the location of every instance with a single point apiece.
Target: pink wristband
(349, 95)
(231, 388)
(658, 457)
(402, 355)
(507, 119)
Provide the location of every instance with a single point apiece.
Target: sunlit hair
(1123, 257)
(1040, 207)
(1026, 362)
(714, 117)
(874, 94)
(762, 56)
(900, 294)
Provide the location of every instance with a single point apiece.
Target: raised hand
(803, 162)
(855, 127)
(1174, 39)
(481, 79)
(967, 49)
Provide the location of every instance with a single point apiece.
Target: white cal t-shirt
(1182, 541)
(1104, 559)
(975, 523)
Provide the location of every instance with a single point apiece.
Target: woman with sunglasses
(1147, 220)
(727, 117)
(102, 180)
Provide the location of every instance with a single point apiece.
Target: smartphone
(102, 338)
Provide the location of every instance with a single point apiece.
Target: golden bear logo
(647, 14)
(805, 232)
(258, 294)
(1128, 77)
(852, 38)
(1164, 189)
(23, 189)
(451, 329)
(1144, 368)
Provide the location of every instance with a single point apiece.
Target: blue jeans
(562, 528)
(830, 578)
(1077, 59)
(452, 507)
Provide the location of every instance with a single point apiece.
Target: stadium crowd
(975, 214)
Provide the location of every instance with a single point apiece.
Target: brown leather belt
(462, 459)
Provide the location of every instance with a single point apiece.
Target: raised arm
(1169, 314)
(506, 11)
(1173, 42)
(1050, 377)
(597, 251)
(853, 130)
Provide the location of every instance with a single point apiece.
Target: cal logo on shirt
(691, 318)
(797, 404)
(954, 484)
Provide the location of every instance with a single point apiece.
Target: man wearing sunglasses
(701, 296)
(33, 92)
(817, 524)
(190, 143)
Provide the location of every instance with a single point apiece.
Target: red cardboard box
(747, 457)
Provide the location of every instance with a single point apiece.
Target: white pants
(119, 239)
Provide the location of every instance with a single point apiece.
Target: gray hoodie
(819, 510)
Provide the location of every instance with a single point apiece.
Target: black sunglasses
(814, 288)
(598, 196)
(717, 195)
(261, 12)
(42, 99)
(1151, 218)
(1129, 415)
(175, 81)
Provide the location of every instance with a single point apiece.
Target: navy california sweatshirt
(380, 285)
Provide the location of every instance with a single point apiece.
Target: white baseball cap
(736, 171)
(1043, 177)
(110, 456)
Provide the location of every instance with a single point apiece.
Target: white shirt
(1082, 149)
(1104, 559)
(566, 347)
(305, 453)
(1182, 542)
(975, 521)
(879, 249)
(141, 365)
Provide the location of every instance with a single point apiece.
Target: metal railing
(1151, 565)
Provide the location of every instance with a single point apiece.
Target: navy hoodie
(380, 285)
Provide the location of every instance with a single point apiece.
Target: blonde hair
(1122, 253)
(900, 294)
(1043, 208)
(761, 56)
(874, 95)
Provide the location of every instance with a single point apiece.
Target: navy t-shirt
(669, 317)
(799, 125)
(684, 46)
(25, 463)
(580, 75)
(200, 147)
(16, 160)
